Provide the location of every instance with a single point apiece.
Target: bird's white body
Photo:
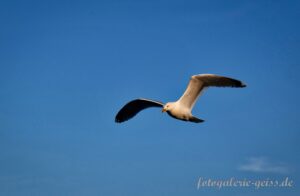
(179, 111)
(182, 108)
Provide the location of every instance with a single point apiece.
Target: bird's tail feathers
(196, 120)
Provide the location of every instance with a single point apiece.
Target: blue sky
(67, 67)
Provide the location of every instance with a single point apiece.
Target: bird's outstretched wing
(199, 82)
(135, 106)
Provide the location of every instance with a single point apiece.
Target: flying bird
(182, 108)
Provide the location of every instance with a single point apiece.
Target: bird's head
(167, 107)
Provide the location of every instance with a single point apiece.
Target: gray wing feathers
(218, 81)
(200, 82)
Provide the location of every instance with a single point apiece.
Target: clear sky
(67, 67)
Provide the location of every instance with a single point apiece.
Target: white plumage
(182, 108)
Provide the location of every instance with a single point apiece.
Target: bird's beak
(163, 110)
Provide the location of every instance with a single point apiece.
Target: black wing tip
(118, 121)
(239, 84)
(242, 85)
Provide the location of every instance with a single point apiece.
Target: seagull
(182, 108)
